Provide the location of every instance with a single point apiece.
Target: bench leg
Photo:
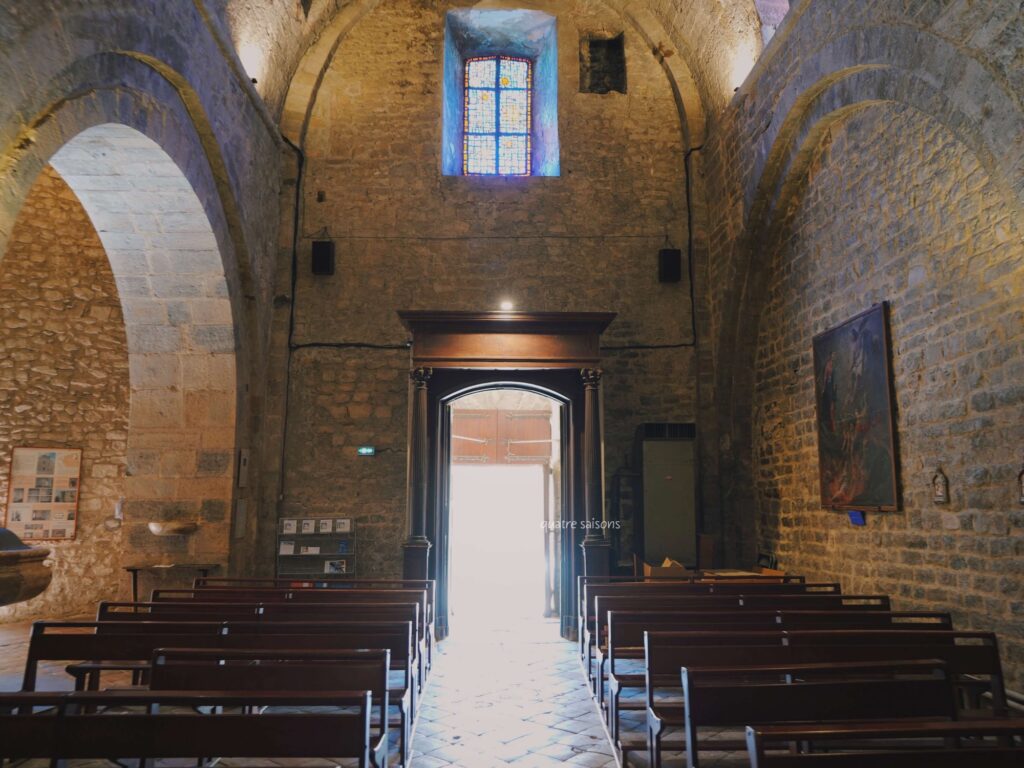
(404, 737)
(653, 748)
(613, 714)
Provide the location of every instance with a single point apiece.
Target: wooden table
(203, 569)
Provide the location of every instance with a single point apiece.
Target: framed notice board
(42, 495)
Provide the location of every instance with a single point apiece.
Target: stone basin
(22, 572)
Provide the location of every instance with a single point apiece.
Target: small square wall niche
(602, 64)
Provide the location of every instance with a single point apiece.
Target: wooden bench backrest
(136, 641)
(203, 669)
(589, 591)
(974, 658)
(732, 604)
(666, 651)
(333, 582)
(998, 752)
(626, 628)
(299, 596)
(78, 731)
(834, 692)
(188, 610)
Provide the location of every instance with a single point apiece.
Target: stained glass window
(497, 117)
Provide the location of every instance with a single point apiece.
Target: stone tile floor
(499, 699)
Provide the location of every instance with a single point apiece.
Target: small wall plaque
(940, 487)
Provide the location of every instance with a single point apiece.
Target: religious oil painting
(856, 432)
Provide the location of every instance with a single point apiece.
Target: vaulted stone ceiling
(718, 40)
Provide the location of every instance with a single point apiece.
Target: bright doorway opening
(505, 501)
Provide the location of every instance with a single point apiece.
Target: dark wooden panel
(506, 340)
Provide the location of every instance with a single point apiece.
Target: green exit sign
(366, 450)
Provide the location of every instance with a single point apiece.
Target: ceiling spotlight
(507, 306)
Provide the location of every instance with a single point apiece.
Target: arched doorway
(455, 354)
(500, 531)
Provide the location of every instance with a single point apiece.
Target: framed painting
(42, 495)
(856, 425)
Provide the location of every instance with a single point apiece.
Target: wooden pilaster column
(417, 547)
(596, 547)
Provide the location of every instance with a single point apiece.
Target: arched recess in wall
(125, 139)
(304, 88)
(891, 67)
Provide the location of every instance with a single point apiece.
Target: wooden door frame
(553, 353)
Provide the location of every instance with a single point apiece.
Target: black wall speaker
(323, 257)
(670, 265)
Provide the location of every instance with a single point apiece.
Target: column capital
(591, 377)
(420, 376)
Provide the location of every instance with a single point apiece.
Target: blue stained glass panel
(514, 74)
(496, 117)
(513, 152)
(480, 154)
(480, 111)
(515, 115)
(481, 73)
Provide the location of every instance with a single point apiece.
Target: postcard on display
(309, 526)
(289, 525)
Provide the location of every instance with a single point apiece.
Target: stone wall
(872, 156)
(409, 238)
(897, 210)
(64, 383)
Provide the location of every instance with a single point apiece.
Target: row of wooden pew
(814, 676)
(231, 668)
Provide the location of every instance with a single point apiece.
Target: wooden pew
(271, 612)
(630, 625)
(682, 643)
(714, 602)
(757, 695)
(331, 582)
(98, 647)
(192, 669)
(589, 587)
(975, 744)
(78, 728)
(426, 628)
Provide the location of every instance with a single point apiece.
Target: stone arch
(139, 153)
(178, 319)
(901, 65)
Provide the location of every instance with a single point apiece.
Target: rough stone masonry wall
(64, 383)
(408, 238)
(896, 209)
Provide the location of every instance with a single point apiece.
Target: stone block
(213, 463)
